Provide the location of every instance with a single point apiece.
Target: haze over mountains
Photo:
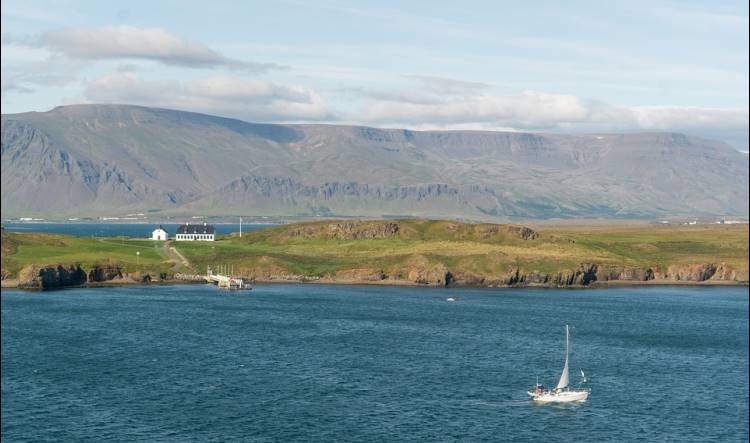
(115, 159)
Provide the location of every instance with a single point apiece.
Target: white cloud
(257, 100)
(427, 107)
(129, 42)
(677, 118)
(528, 110)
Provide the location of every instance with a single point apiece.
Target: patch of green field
(662, 246)
(23, 249)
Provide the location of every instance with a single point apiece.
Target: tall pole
(240, 227)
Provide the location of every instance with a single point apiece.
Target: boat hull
(560, 397)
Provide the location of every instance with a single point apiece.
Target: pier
(225, 280)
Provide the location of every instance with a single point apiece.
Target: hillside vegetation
(484, 254)
(22, 250)
(418, 252)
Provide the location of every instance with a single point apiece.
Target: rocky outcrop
(356, 231)
(620, 273)
(439, 276)
(590, 274)
(51, 277)
(420, 270)
(726, 273)
(582, 276)
(522, 232)
(353, 230)
(484, 232)
(104, 273)
(63, 276)
(692, 272)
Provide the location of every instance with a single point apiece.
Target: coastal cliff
(584, 276)
(64, 276)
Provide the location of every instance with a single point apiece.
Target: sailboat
(562, 392)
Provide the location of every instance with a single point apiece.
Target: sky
(542, 66)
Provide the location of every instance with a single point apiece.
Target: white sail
(563, 383)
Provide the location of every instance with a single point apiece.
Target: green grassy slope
(376, 250)
(468, 248)
(22, 249)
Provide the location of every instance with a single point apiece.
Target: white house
(190, 232)
(159, 234)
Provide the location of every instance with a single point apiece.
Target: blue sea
(132, 230)
(355, 363)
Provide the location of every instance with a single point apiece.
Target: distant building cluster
(186, 232)
(696, 222)
(732, 222)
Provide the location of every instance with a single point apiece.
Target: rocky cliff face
(356, 231)
(420, 271)
(346, 230)
(63, 276)
(589, 274)
(105, 273)
(51, 277)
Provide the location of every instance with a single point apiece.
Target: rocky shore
(65, 276)
(58, 277)
(587, 275)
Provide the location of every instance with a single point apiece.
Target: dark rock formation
(51, 277)
(105, 273)
(609, 273)
(588, 274)
(356, 231)
(522, 232)
(353, 230)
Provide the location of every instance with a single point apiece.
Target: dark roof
(195, 229)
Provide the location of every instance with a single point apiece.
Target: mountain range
(114, 159)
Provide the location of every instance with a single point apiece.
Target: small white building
(188, 232)
(159, 234)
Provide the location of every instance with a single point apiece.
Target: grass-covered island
(418, 252)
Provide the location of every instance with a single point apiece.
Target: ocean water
(354, 363)
(132, 230)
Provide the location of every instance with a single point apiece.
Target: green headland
(419, 252)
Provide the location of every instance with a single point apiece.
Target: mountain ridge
(100, 159)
